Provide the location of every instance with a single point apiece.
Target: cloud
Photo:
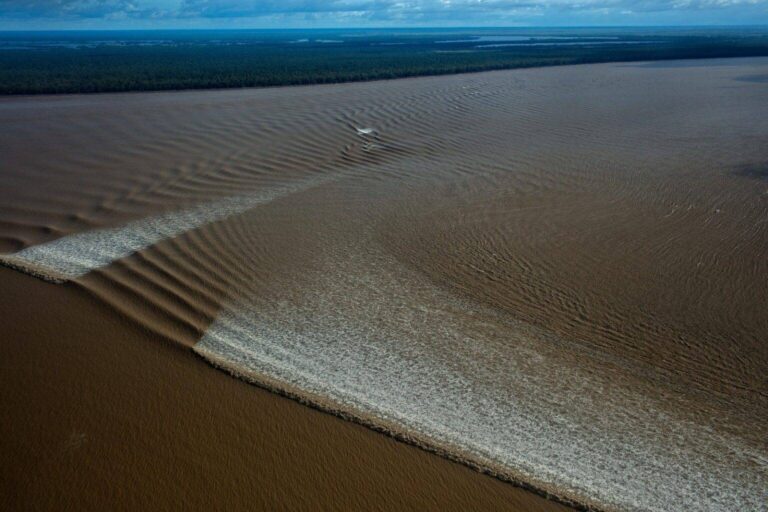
(457, 9)
(74, 9)
(406, 12)
(227, 8)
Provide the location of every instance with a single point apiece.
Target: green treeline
(134, 67)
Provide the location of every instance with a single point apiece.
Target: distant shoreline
(365, 80)
(373, 79)
(87, 63)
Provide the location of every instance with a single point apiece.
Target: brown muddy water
(556, 275)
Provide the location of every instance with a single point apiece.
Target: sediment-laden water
(558, 275)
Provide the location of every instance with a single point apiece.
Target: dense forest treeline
(86, 63)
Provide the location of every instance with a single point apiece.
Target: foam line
(75, 255)
(356, 346)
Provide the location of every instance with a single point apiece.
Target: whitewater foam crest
(387, 349)
(75, 255)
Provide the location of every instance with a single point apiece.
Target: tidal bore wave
(386, 349)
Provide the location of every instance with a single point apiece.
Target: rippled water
(558, 275)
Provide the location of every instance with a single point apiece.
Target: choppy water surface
(556, 274)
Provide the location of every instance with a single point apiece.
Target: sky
(147, 14)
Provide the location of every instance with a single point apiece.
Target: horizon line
(452, 27)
